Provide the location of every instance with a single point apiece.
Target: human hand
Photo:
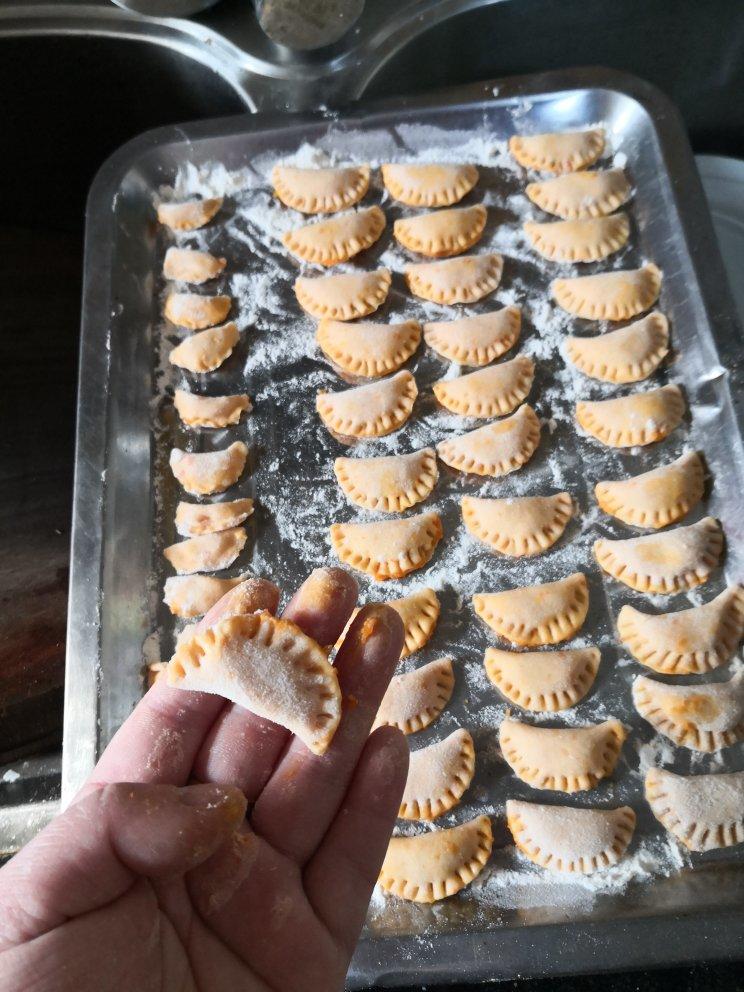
(257, 879)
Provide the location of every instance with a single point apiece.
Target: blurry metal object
(307, 24)
(166, 8)
(723, 182)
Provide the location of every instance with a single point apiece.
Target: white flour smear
(297, 498)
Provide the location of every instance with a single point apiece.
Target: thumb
(92, 853)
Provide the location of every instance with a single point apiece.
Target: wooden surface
(39, 333)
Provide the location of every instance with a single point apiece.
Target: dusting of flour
(297, 498)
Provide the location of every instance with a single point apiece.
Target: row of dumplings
(214, 537)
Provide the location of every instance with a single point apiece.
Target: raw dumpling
(328, 242)
(443, 233)
(690, 642)
(496, 449)
(210, 411)
(656, 498)
(558, 152)
(564, 838)
(189, 265)
(372, 410)
(270, 667)
(475, 340)
(435, 185)
(391, 483)
(431, 866)
(577, 195)
(368, 349)
(344, 296)
(639, 418)
(456, 280)
(189, 214)
(525, 525)
(627, 355)
(320, 191)
(204, 473)
(617, 295)
(489, 392)
(388, 549)
(534, 616)
(673, 561)
(563, 759)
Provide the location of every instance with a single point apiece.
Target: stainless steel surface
(117, 577)
(723, 182)
(166, 8)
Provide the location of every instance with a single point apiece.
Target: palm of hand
(156, 886)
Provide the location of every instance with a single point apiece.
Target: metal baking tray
(511, 922)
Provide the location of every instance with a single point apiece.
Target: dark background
(69, 102)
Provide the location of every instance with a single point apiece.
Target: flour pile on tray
(304, 519)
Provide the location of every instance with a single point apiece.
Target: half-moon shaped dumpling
(344, 296)
(320, 191)
(203, 473)
(419, 613)
(639, 418)
(190, 214)
(415, 699)
(490, 392)
(368, 349)
(431, 866)
(702, 717)
(518, 526)
(388, 549)
(196, 312)
(337, 239)
(191, 596)
(268, 666)
(627, 355)
(372, 410)
(558, 152)
(210, 411)
(533, 616)
(617, 295)
(475, 340)
(207, 552)
(456, 280)
(656, 498)
(581, 194)
(438, 776)
(207, 350)
(391, 483)
(579, 240)
(564, 759)
(497, 448)
(564, 838)
(703, 812)
(443, 233)
(543, 681)
(428, 185)
(690, 642)
(189, 265)
(676, 560)
(208, 518)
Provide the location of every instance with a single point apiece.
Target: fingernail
(379, 623)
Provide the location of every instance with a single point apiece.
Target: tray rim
(494, 954)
